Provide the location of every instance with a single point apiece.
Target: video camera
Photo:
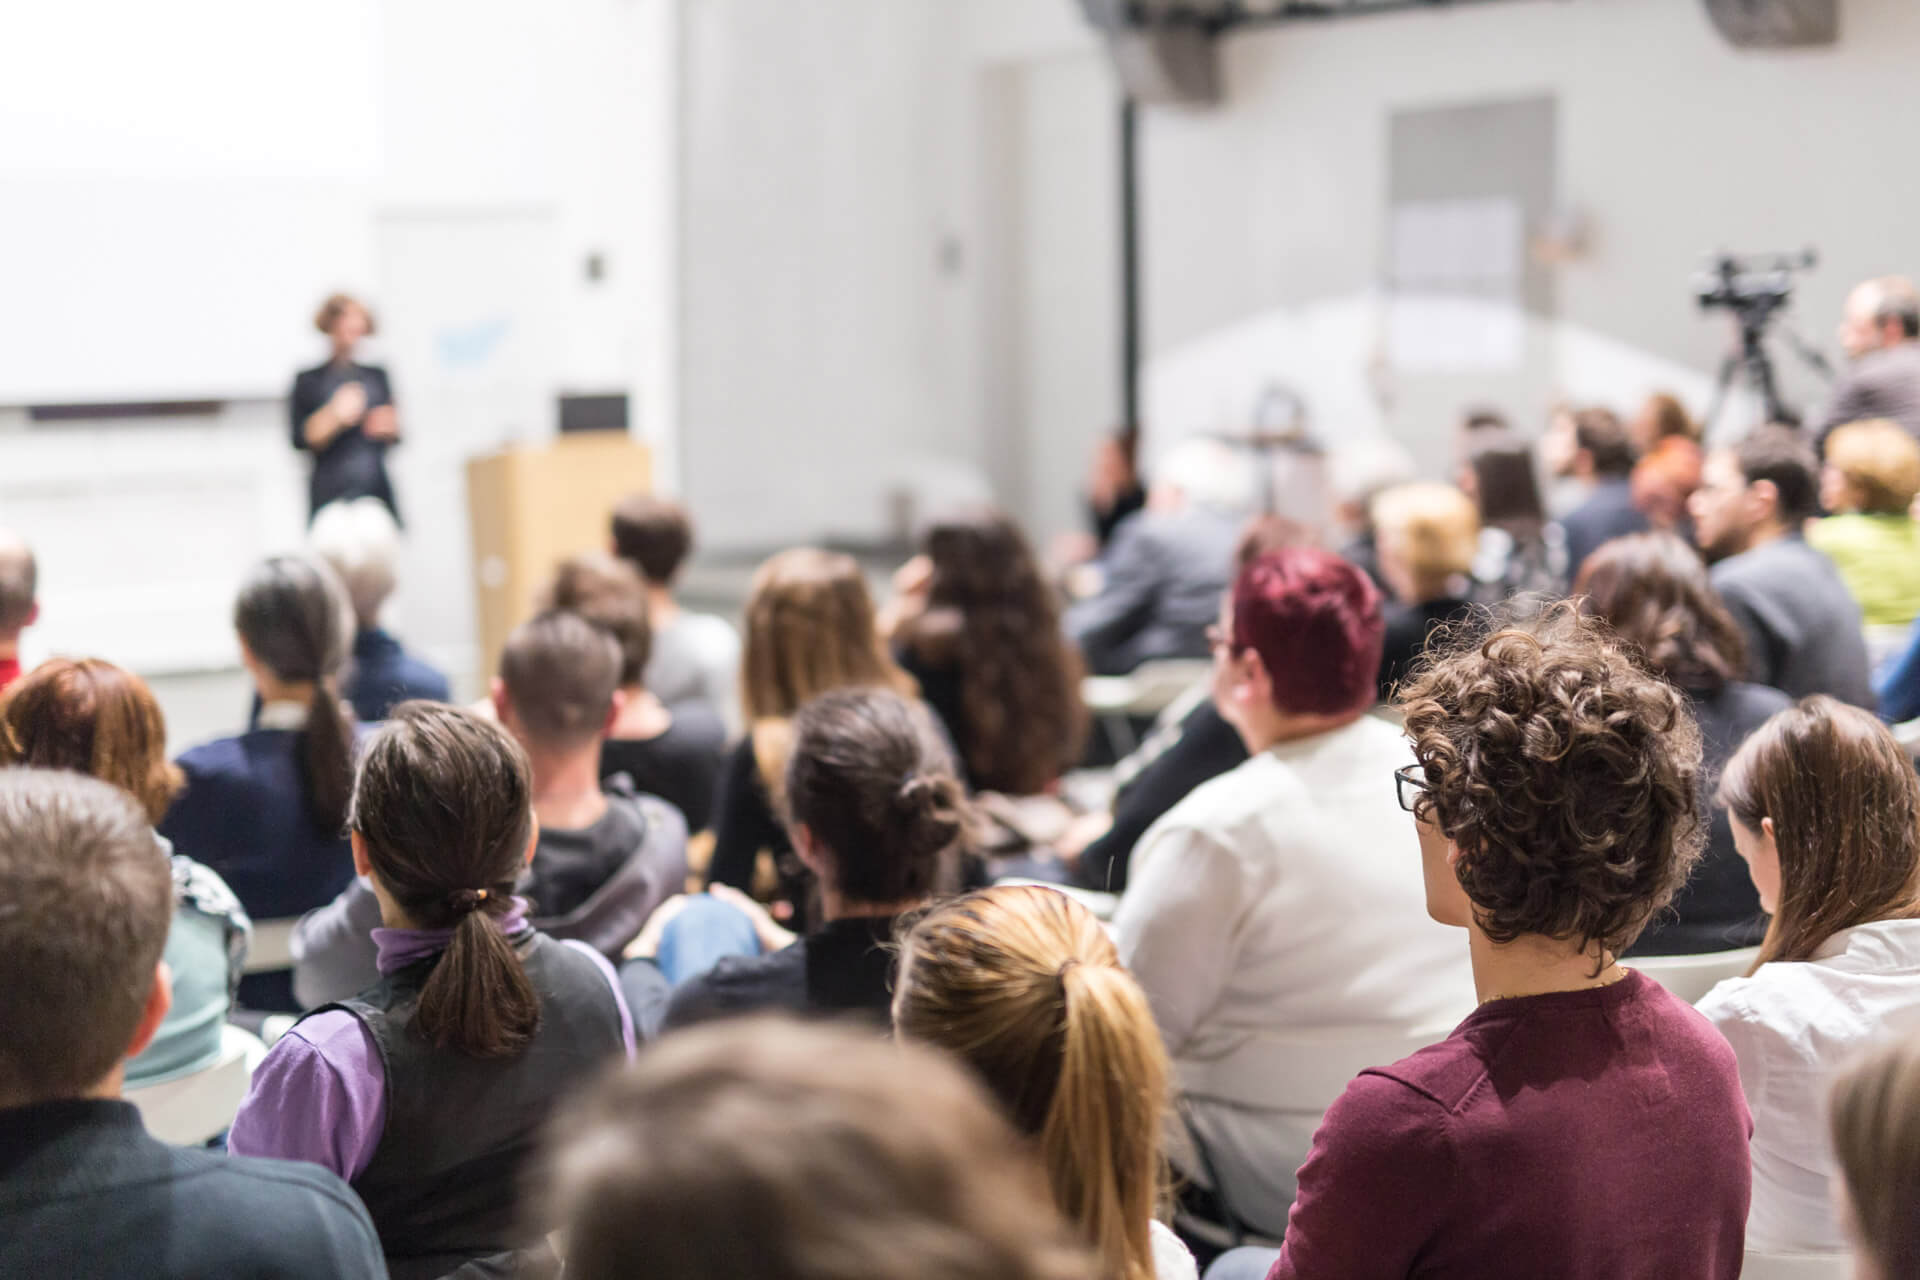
(1753, 286)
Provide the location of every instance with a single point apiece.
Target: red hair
(1315, 621)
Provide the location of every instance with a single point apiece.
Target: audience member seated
(1802, 625)
(1869, 482)
(267, 809)
(976, 625)
(1167, 564)
(695, 656)
(427, 1091)
(771, 1150)
(607, 856)
(1667, 440)
(19, 606)
(91, 717)
(1189, 748)
(1589, 448)
(1875, 1126)
(361, 541)
(83, 988)
(1024, 985)
(1826, 810)
(1428, 534)
(877, 815)
(1878, 331)
(1582, 1123)
(810, 629)
(1276, 897)
(1513, 555)
(1358, 473)
(1652, 590)
(673, 752)
(1897, 684)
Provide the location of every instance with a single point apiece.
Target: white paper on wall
(1454, 286)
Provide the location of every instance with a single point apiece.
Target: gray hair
(18, 581)
(361, 541)
(1210, 474)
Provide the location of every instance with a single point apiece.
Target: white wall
(506, 147)
(830, 149)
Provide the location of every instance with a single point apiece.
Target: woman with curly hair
(1582, 1123)
(1652, 589)
(977, 626)
(1826, 811)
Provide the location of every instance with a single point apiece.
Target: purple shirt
(1590, 1135)
(320, 1095)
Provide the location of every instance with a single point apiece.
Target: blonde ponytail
(1102, 1135)
(1024, 984)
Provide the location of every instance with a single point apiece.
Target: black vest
(443, 1186)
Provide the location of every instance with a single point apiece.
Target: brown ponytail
(293, 614)
(444, 803)
(1023, 983)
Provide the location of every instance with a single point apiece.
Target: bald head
(1880, 313)
(18, 576)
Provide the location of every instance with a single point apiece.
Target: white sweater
(1285, 897)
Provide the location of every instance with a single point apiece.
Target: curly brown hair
(1565, 774)
(1653, 590)
(990, 614)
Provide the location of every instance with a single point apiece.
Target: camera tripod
(1752, 365)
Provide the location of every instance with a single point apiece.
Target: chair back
(1691, 977)
(1797, 1266)
(191, 1109)
(272, 947)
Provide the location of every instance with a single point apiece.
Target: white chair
(1797, 1266)
(190, 1109)
(1691, 977)
(1143, 693)
(272, 946)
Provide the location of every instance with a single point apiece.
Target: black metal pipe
(1129, 263)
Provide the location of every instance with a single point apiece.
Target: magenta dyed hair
(1315, 621)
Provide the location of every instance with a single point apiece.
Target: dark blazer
(1165, 572)
(1207, 747)
(1880, 384)
(244, 814)
(1608, 513)
(86, 1191)
(351, 465)
(384, 675)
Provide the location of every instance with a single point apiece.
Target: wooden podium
(531, 506)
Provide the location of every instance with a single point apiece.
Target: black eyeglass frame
(1407, 779)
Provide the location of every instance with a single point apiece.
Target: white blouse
(1792, 1026)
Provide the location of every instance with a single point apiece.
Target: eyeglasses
(1409, 781)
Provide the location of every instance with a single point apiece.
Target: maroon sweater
(1584, 1135)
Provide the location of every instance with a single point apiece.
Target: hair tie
(465, 901)
(1060, 974)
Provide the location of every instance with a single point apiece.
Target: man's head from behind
(86, 897)
(1298, 645)
(767, 1149)
(1880, 313)
(559, 675)
(1766, 485)
(19, 604)
(653, 535)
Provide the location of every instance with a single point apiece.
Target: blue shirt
(383, 675)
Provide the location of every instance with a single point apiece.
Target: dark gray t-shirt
(1802, 626)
